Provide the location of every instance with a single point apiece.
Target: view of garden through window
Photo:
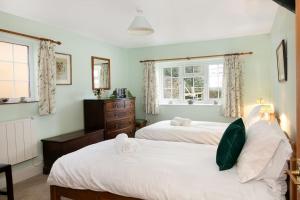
(202, 83)
(14, 70)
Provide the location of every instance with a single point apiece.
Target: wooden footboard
(57, 192)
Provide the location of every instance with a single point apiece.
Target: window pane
(167, 71)
(6, 89)
(199, 82)
(215, 75)
(167, 82)
(22, 89)
(6, 51)
(6, 71)
(198, 69)
(21, 72)
(175, 87)
(175, 72)
(167, 93)
(188, 85)
(189, 69)
(213, 93)
(20, 53)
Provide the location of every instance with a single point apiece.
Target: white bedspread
(159, 170)
(201, 132)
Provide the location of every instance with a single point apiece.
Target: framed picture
(63, 69)
(282, 61)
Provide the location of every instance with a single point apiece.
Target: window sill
(186, 104)
(12, 103)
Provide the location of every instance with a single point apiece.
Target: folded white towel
(179, 121)
(124, 144)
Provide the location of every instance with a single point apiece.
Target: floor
(35, 188)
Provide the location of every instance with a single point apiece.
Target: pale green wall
(69, 116)
(257, 81)
(284, 94)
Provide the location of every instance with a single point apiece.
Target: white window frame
(182, 64)
(31, 66)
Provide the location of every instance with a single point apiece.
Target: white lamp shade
(140, 26)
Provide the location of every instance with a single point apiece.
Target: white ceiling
(174, 21)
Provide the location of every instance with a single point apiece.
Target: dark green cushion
(231, 145)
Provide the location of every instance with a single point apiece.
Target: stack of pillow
(259, 149)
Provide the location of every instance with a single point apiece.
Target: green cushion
(231, 145)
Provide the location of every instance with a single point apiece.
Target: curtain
(232, 87)
(47, 78)
(151, 96)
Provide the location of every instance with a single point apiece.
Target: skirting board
(21, 173)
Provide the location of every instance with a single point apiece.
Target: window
(14, 70)
(182, 81)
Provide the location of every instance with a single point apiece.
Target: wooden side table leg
(9, 184)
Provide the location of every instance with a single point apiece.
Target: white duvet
(158, 170)
(201, 132)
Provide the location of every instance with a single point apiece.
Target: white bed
(157, 170)
(201, 132)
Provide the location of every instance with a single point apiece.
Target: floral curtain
(151, 95)
(47, 78)
(232, 87)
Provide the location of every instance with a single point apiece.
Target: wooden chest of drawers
(113, 115)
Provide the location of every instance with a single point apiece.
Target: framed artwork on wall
(281, 55)
(63, 69)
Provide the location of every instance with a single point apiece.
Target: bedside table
(55, 147)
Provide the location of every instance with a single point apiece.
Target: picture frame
(63, 69)
(281, 54)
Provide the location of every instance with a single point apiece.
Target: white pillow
(253, 116)
(263, 140)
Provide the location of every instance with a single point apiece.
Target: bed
(157, 170)
(201, 132)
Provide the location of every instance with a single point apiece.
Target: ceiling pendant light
(140, 25)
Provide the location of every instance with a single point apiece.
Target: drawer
(112, 134)
(117, 105)
(110, 116)
(129, 104)
(119, 124)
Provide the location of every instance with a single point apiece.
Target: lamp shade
(140, 26)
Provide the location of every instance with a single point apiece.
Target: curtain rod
(197, 57)
(30, 36)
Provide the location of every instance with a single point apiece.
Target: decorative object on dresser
(113, 115)
(55, 147)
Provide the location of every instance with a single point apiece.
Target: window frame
(182, 75)
(31, 74)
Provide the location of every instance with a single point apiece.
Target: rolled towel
(179, 121)
(124, 144)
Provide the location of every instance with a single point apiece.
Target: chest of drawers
(113, 115)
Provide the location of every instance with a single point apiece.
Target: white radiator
(18, 143)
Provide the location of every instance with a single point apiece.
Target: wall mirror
(100, 73)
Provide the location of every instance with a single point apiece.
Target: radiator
(18, 142)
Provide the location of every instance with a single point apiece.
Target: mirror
(100, 73)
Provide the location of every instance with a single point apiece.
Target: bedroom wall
(69, 116)
(257, 82)
(284, 94)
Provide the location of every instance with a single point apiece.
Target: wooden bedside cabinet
(55, 147)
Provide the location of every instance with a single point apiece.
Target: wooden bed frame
(58, 192)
